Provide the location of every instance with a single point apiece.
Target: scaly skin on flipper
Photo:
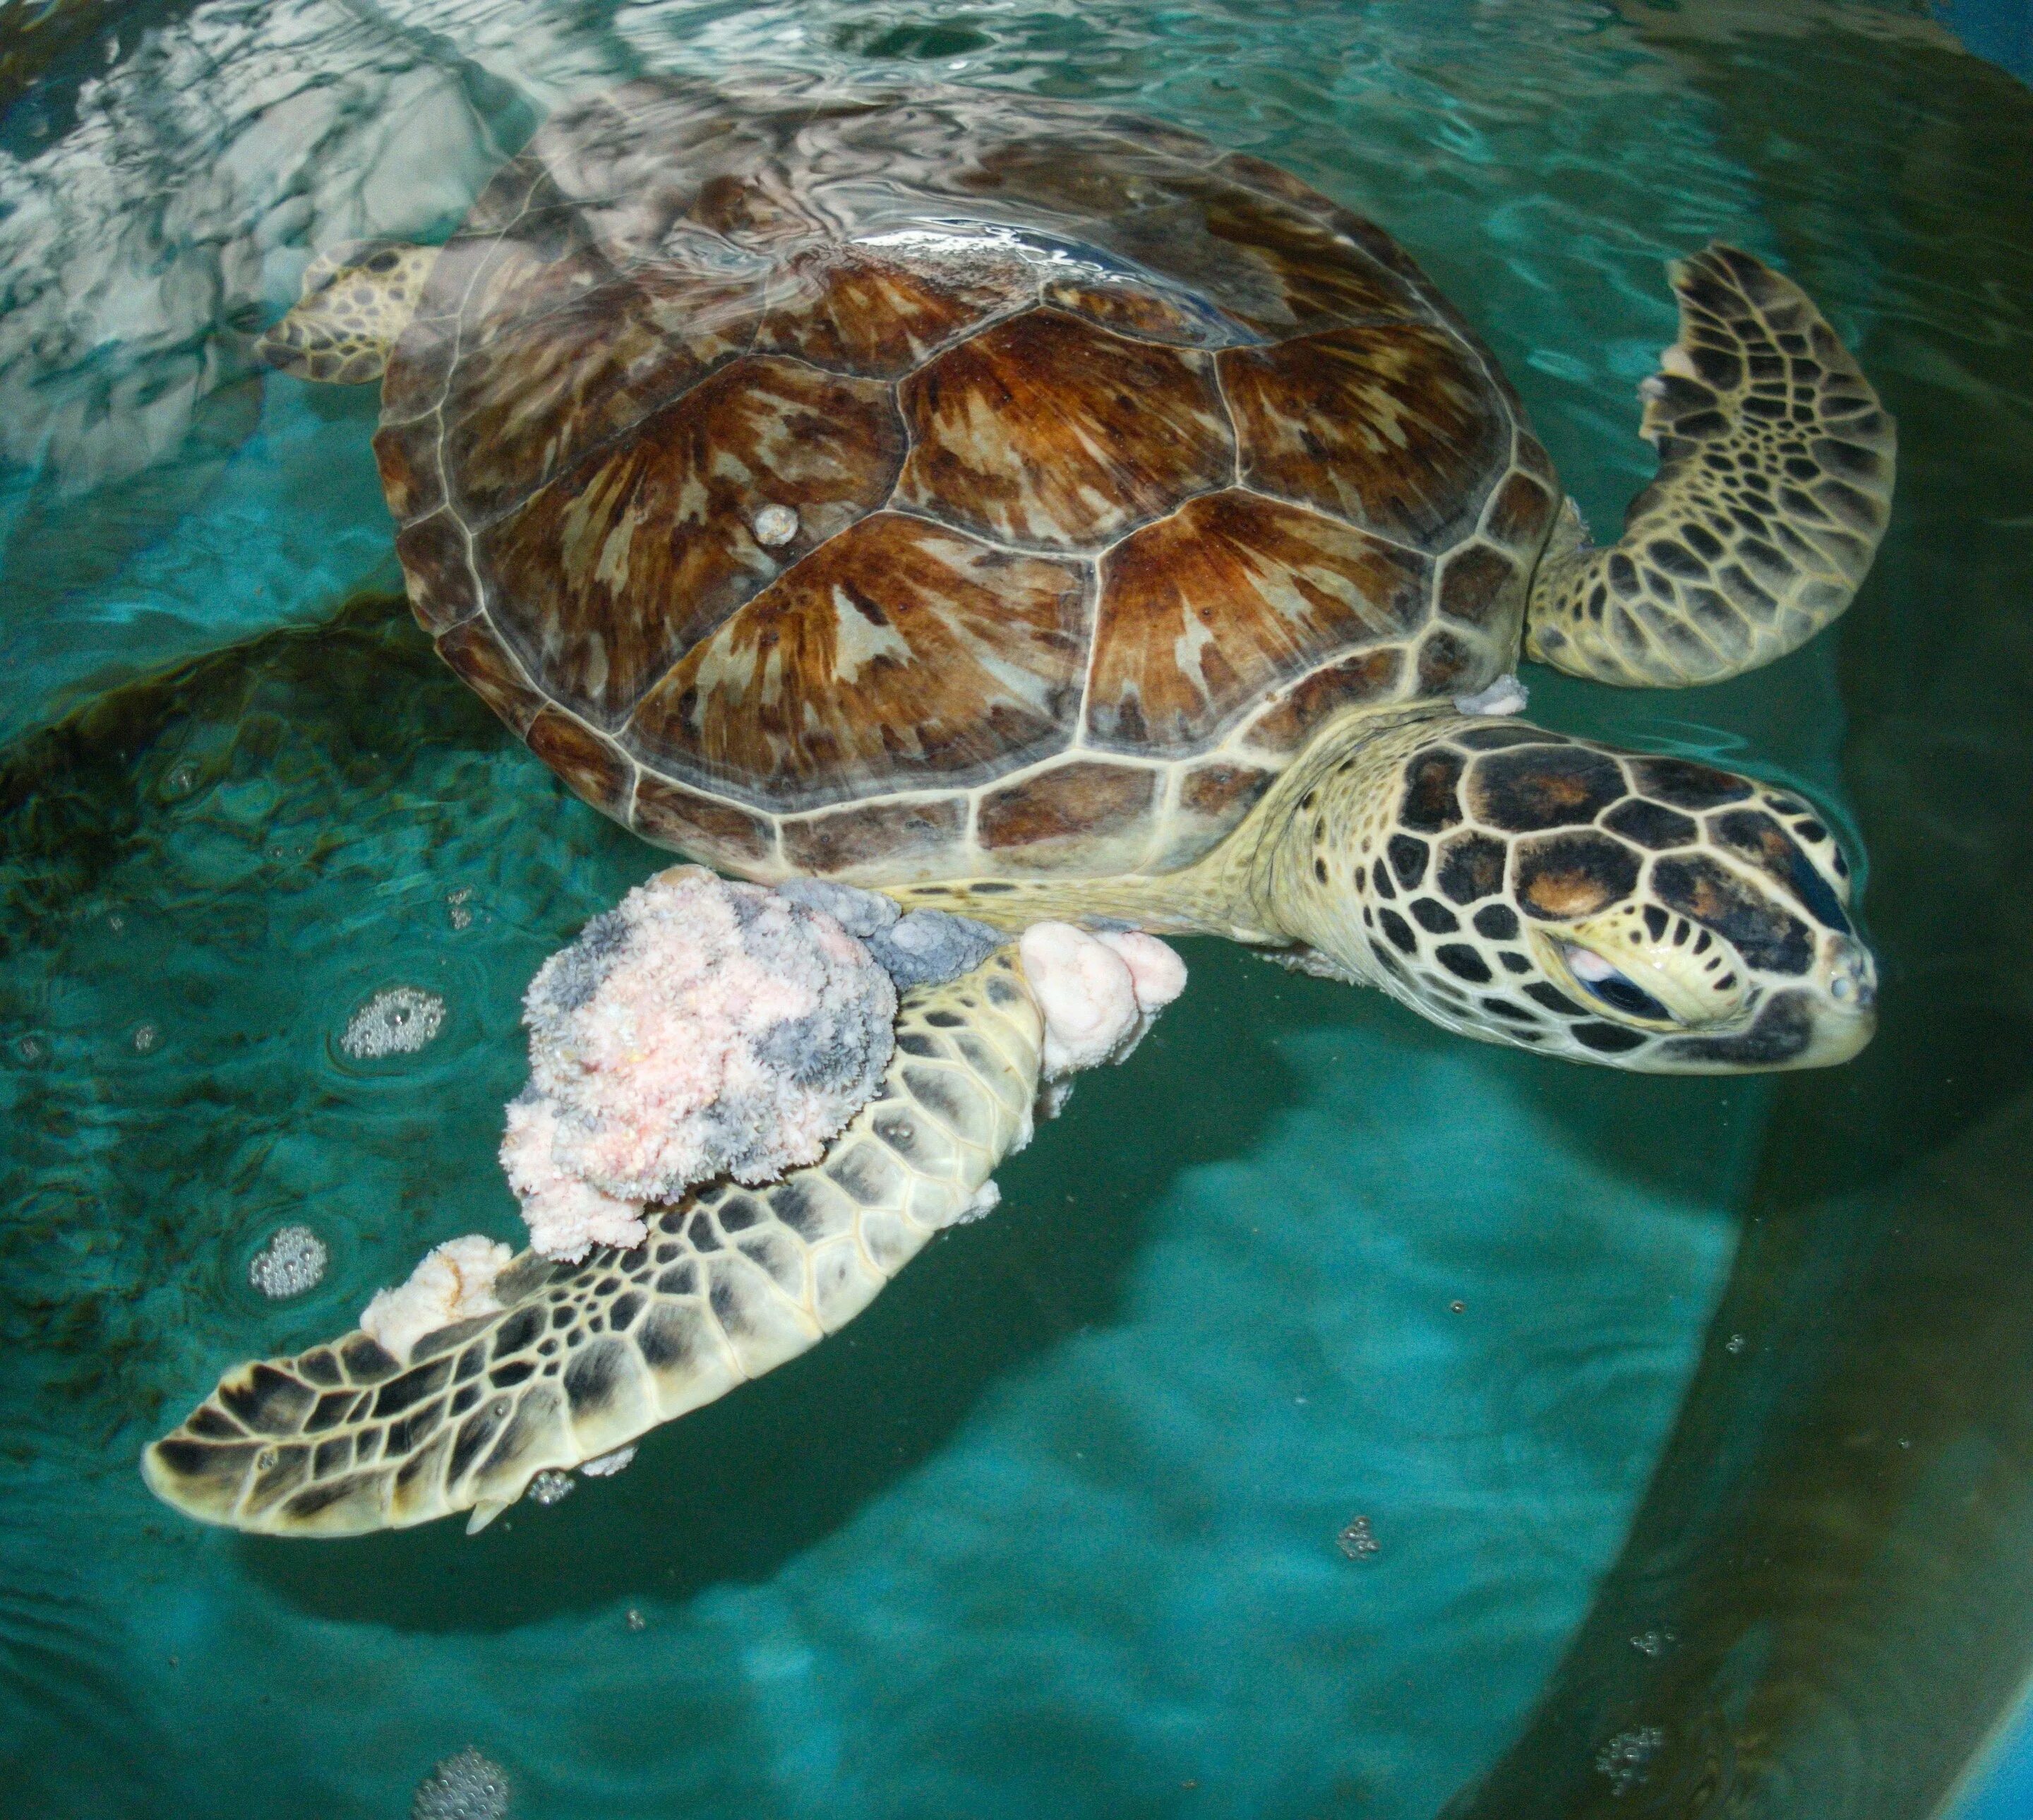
(1774, 487)
(344, 1438)
(357, 301)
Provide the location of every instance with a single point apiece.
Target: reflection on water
(1681, 1416)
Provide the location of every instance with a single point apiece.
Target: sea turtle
(1031, 511)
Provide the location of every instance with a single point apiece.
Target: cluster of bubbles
(292, 1261)
(397, 1020)
(1358, 1541)
(467, 1787)
(1626, 1760)
(551, 1486)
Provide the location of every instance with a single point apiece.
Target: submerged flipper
(357, 301)
(1775, 481)
(583, 1358)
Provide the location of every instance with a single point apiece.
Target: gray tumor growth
(926, 948)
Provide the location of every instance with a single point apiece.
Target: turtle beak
(1844, 1003)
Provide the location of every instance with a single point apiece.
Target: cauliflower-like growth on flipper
(700, 1028)
(1098, 992)
(454, 1282)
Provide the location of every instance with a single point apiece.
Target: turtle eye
(1616, 990)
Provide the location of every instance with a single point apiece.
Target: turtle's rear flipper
(357, 301)
(584, 1357)
(1775, 481)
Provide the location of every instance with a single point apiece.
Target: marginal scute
(1213, 798)
(898, 654)
(610, 573)
(1131, 310)
(921, 836)
(1046, 430)
(438, 578)
(1082, 817)
(1484, 587)
(668, 815)
(489, 668)
(1390, 425)
(1520, 513)
(594, 768)
(1205, 611)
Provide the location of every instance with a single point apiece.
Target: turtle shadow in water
(734, 1491)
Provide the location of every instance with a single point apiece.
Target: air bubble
(398, 1022)
(636, 1621)
(182, 779)
(145, 1038)
(776, 525)
(550, 1485)
(1358, 1541)
(292, 1261)
(467, 1787)
(30, 1048)
(1735, 1345)
(1626, 1760)
(458, 907)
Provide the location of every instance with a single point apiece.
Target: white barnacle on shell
(775, 525)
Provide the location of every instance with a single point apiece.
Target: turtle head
(357, 298)
(1644, 912)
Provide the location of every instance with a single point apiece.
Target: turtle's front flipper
(1775, 479)
(584, 1357)
(357, 301)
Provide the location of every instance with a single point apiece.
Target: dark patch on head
(1498, 922)
(1435, 918)
(1566, 876)
(1785, 1028)
(1408, 859)
(1431, 802)
(1543, 786)
(1471, 867)
(1463, 962)
(1650, 825)
(1686, 785)
(1399, 930)
(1606, 1039)
(1382, 880)
(1709, 892)
(1761, 840)
(1553, 999)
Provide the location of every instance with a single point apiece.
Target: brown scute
(414, 377)
(667, 815)
(897, 653)
(1533, 457)
(1520, 514)
(1754, 835)
(847, 307)
(1531, 787)
(1072, 817)
(1447, 663)
(1206, 611)
(1482, 587)
(1046, 430)
(1212, 800)
(595, 770)
(1287, 724)
(1471, 867)
(1129, 309)
(1325, 277)
(1766, 935)
(1561, 877)
(406, 454)
(1432, 794)
(917, 836)
(1391, 426)
(1649, 824)
(489, 668)
(1686, 784)
(432, 553)
(611, 573)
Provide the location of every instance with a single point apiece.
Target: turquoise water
(1714, 1494)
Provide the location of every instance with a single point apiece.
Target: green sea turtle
(1034, 512)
